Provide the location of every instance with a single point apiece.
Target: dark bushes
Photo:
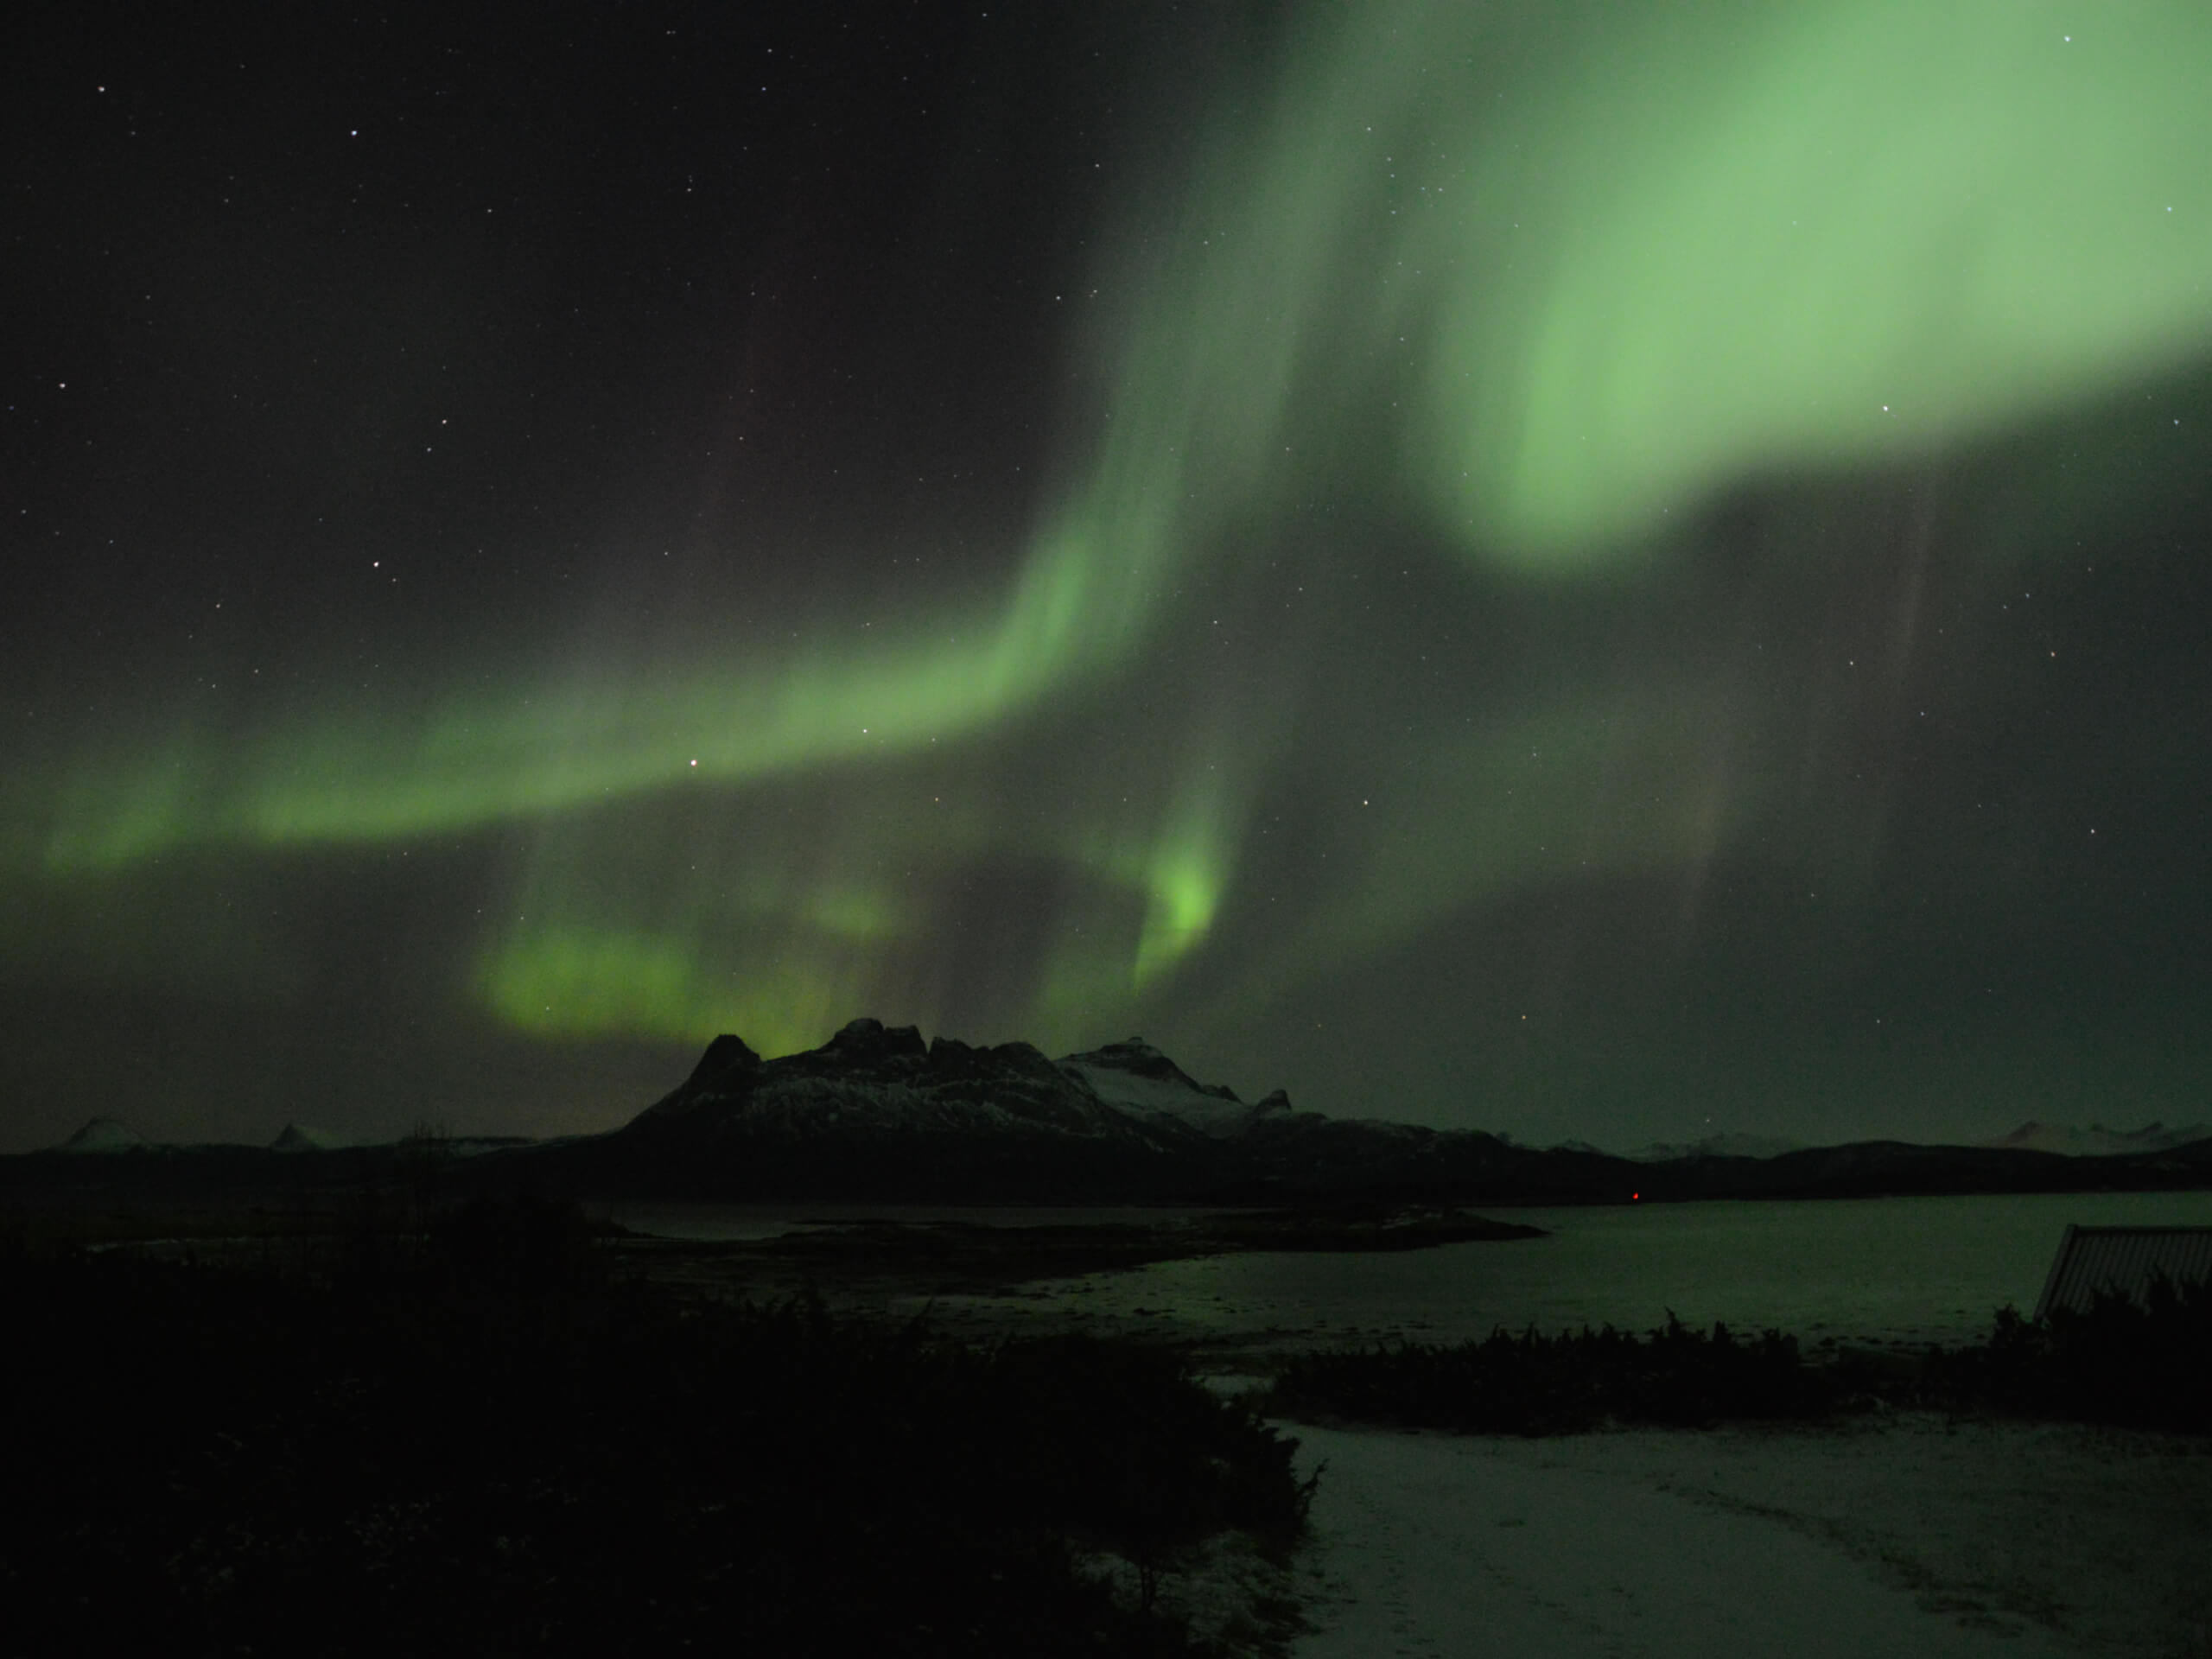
(2145, 1364)
(498, 1447)
(1533, 1385)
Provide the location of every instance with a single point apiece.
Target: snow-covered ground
(1914, 1536)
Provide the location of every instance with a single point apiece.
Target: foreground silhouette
(479, 1440)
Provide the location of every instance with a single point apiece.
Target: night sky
(1583, 570)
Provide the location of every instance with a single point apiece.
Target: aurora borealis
(1580, 570)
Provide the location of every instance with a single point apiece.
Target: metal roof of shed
(2124, 1259)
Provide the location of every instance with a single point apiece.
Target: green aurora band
(1544, 279)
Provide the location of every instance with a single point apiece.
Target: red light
(1636, 1198)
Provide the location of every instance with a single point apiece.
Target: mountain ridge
(877, 1115)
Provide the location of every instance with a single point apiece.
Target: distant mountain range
(107, 1134)
(1725, 1145)
(2095, 1141)
(2098, 1142)
(878, 1115)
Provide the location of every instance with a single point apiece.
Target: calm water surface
(1886, 1269)
(1879, 1269)
(728, 1222)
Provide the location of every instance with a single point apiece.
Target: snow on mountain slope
(1135, 1078)
(871, 1078)
(2098, 1142)
(105, 1135)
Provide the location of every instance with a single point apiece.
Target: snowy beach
(1909, 1536)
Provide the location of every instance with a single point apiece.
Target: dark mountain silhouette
(105, 1135)
(2097, 1140)
(295, 1137)
(1727, 1144)
(877, 1115)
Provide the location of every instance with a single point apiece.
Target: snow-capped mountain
(873, 1079)
(2098, 1142)
(1135, 1078)
(105, 1135)
(870, 1079)
(876, 1113)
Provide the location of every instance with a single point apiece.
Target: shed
(2124, 1259)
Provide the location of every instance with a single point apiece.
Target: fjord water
(1890, 1270)
(1893, 1270)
